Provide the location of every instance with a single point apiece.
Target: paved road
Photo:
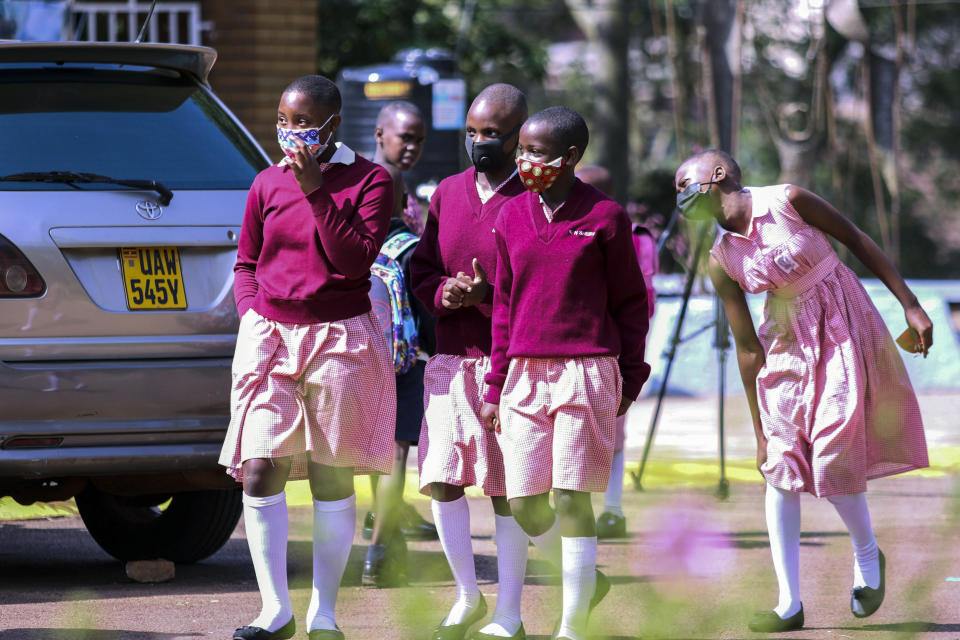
(694, 567)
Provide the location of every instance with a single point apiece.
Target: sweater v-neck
(477, 206)
(547, 229)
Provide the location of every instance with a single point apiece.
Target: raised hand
(305, 168)
(477, 286)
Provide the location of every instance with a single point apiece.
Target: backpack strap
(395, 246)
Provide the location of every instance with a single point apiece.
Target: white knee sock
(511, 567)
(866, 554)
(265, 520)
(334, 523)
(549, 545)
(783, 527)
(453, 527)
(579, 582)
(613, 498)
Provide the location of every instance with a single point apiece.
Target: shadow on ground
(89, 634)
(900, 627)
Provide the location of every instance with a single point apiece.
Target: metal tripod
(721, 344)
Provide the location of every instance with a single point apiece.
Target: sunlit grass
(659, 473)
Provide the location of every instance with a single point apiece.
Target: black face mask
(488, 155)
(693, 203)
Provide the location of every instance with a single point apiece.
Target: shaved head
(392, 109)
(712, 158)
(507, 97)
(565, 125)
(322, 91)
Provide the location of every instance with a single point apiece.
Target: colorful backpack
(406, 349)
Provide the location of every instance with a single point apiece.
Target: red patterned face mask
(538, 176)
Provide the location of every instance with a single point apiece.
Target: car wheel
(182, 527)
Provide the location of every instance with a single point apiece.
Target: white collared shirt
(549, 213)
(341, 155)
(484, 193)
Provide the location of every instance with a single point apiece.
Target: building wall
(262, 45)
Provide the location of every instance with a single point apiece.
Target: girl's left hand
(490, 416)
(305, 168)
(917, 320)
(624, 405)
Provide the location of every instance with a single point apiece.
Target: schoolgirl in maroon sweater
(454, 449)
(313, 383)
(569, 324)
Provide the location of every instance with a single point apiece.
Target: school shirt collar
(342, 155)
(484, 194)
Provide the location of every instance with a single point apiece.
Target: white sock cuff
(579, 545)
(265, 501)
(507, 523)
(330, 506)
(459, 503)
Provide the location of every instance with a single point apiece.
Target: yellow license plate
(152, 278)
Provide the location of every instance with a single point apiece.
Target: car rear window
(127, 124)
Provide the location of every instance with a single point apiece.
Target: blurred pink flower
(685, 542)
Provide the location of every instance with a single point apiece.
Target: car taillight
(18, 278)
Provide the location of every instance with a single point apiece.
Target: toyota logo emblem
(149, 210)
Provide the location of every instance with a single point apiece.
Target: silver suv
(122, 186)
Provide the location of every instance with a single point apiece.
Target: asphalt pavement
(693, 566)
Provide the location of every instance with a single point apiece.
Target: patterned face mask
(538, 176)
(287, 139)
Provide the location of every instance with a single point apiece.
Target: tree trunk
(719, 19)
(605, 23)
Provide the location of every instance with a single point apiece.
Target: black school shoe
(459, 631)
(414, 526)
(259, 633)
(864, 601)
(326, 634)
(368, 521)
(385, 566)
(770, 622)
(611, 525)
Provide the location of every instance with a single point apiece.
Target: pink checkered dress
(454, 448)
(322, 391)
(558, 423)
(835, 400)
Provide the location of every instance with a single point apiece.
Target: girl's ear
(378, 134)
(719, 174)
(573, 156)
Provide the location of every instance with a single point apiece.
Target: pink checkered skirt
(558, 423)
(454, 448)
(322, 392)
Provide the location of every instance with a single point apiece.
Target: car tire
(193, 525)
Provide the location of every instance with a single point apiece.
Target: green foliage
(507, 41)
(503, 43)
